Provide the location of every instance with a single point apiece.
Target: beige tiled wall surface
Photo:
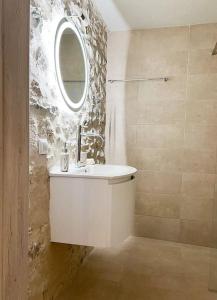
(171, 127)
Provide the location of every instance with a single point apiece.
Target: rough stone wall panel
(52, 267)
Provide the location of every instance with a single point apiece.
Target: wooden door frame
(14, 145)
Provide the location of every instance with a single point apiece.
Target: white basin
(92, 206)
(96, 171)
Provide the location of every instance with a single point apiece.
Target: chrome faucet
(81, 134)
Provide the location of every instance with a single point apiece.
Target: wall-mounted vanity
(92, 206)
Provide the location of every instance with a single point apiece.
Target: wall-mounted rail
(165, 79)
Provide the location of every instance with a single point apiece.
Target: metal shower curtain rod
(139, 79)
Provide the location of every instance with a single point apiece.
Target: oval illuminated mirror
(71, 65)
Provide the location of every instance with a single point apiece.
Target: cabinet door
(80, 211)
(123, 205)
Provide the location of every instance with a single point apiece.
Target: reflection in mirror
(72, 65)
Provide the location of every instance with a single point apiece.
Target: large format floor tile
(144, 269)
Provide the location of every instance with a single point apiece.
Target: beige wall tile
(156, 43)
(201, 137)
(159, 228)
(202, 112)
(131, 91)
(158, 182)
(132, 156)
(202, 61)
(134, 66)
(195, 232)
(141, 113)
(131, 102)
(195, 160)
(174, 89)
(156, 159)
(160, 136)
(202, 86)
(198, 185)
(158, 205)
(132, 111)
(173, 159)
(161, 112)
(203, 36)
(168, 63)
(163, 39)
(131, 135)
(196, 208)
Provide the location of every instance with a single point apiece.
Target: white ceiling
(137, 14)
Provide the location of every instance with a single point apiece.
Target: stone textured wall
(53, 266)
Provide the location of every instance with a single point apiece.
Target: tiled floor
(144, 269)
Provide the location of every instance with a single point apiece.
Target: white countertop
(95, 171)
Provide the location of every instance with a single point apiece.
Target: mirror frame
(63, 25)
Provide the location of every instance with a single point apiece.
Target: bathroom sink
(92, 206)
(96, 171)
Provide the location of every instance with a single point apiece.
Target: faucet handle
(81, 127)
(85, 124)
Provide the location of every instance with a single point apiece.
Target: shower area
(162, 96)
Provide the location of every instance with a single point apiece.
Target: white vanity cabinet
(93, 206)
